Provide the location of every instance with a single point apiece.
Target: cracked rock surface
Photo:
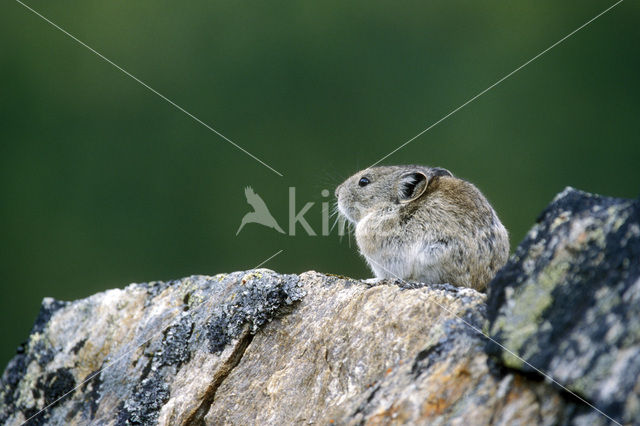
(258, 347)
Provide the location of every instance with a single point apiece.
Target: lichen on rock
(135, 345)
(567, 301)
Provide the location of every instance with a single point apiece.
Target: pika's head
(378, 189)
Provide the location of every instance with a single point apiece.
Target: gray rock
(568, 301)
(259, 347)
(124, 356)
(352, 354)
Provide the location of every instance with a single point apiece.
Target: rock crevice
(197, 417)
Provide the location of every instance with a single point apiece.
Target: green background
(103, 183)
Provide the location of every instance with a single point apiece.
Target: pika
(423, 224)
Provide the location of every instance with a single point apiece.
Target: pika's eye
(364, 181)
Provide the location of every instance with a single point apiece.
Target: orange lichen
(449, 385)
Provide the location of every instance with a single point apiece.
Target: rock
(379, 355)
(262, 348)
(258, 347)
(136, 355)
(568, 301)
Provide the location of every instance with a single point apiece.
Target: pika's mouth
(344, 211)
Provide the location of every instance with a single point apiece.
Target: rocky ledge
(555, 341)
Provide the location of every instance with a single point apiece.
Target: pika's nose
(337, 190)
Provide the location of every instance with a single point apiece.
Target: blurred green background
(104, 183)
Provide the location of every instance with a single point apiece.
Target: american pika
(423, 224)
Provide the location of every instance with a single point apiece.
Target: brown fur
(449, 233)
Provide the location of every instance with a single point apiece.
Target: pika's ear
(439, 171)
(411, 186)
